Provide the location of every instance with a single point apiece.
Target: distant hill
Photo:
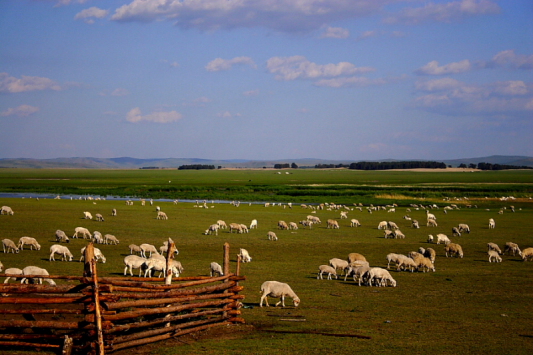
(174, 163)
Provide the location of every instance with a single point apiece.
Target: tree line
(489, 166)
(196, 167)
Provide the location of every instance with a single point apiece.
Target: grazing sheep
(431, 223)
(61, 250)
(453, 249)
(463, 228)
(34, 270)
(133, 262)
(306, 223)
(161, 215)
(32, 242)
(494, 256)
(98, 255)
(244, 228)
(110, 239)
(512, 247)
(398, 234)
(6, 210)
(356, 270)
(216, 269)
(314, 219)
(352, 257)
(98, 238)
(9, 245)
(326, 269)
(414, 224)
(527, 254)
(160, 264)
(283, 225)
(114, 212)
(212, 228)
(407, 263)
(98, 217)
(253, 224)
(148, 248)
(441, 238)
(430, 253)
(383, 225)
(388, 234)
(61, 236)
(391, 257)
(455, 232)
(383, 275)
(12, 271)
(87, 215)
(337, 264)
(354, 223)
(277, 289)
(344, 215)
(426, 264)
(222, 224)
(293, 225)
(272, 236)
(244, 255)
(235, 227)
(134, 249)
(392, 226)
(81, 231)
(331, 223)
(492, 224)
(495, 247)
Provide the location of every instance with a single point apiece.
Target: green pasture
(468, 306)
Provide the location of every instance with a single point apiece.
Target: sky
(266, 79)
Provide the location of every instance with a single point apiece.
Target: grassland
(468, 306)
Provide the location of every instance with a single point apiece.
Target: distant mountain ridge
(174, 163)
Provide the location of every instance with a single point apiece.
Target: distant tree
(462, 165)
(294, 166)
(472, 166)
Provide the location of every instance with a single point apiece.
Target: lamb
(354, 223)
(222, 224)
(161, 215)
(527, 254)
(455, 232)
(212, 228)
(272, 236)
(148, 248)
(494, 256)
(426, 264)
(283, 225)
(160, 265)
(244, 255)
(110, 239)
(99, 218)
(216, 269)
(61, 236)
(495, 247)
(87, 215)
(352, 257)
(253, 224)
(492, 224)
(97, 237)
(133, 262)
(337, 263)
(414, 224)
(277, 290)
(453, 249)
(463, 228)
(293, 226)
(431, 223)
(512, 247)
(83, 232)
(34, 270)
(383, 275)
(98, 255)
(9, 245)
(134, 249)
(383, 225)
(331, 223)
(61, 250)
(235, 227)
(12, 271)
(32, 242)
(326, 269)
(6, 210)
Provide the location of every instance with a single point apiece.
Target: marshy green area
(468, 306)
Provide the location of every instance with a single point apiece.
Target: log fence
(94, 315)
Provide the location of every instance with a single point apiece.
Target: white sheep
(98, 238)
(326, 269)
(392, 226)
(414, 224)
(431, 223)
(244, 228)
(148, 248)
(160, 264)
(430, 253)
(110, 239)
(441, 238)
(453, 249)
(306, 223)
(383, 275)
(253, 224)
(455, 232)
(344, 215)
(527, 254)
(134, 248)
(492, 224)
(293, 225)
(98, 255)
(463, 228)
(61, 250)
(32, 242)
(114, 212)
(222, 224)
(331, 223)
(161, 215)
(81, 231)
(212, 229)
(495, 247)
(216, 269)
(337, 264)
(426, 264)
(272, 236)
(356, 270)
(352, 257)
(61, 236)
(12, 271)
(512, 247)
(6, 210)
(87, 215)
(133, 262)
(98, 217)
(235, 227)
(383, 225)
(244, 255)
(277, 289)
(9, 245)
(494, 256)
(34, 270)
(392, 258)
(354, 223)
(283, 225)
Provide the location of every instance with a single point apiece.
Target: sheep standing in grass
(511, 247)
(383, 275)
(430, 253)
(160, 264)
(293, 225)
(326, 269)
(244, 255)
(133, 262)
(272, 236)
(10, 245)
(98, 238)
(494, 256)
(426, 264)
(6, 210)
(87, 215)
(495, 247)
(455, 232)
(110, 239)
(134, 249)
(212, 229)
(98, 217)
(492, 224)
(163, 249)
(463, 228)
(383, 225)
(283, 225)
(81, 232)
(12, 271)
(61, 236)
(235, 227)
(61, 250)
(431, 223)
(333, 224)
(222, 224)
(354, 223)
(32, 242)
(527, 254)
(306, 223)
(114, 212)
(415, 224)
(34, 270)
(453, 249)
(98, 255)
(216, 269)
(253, 224)
(337, 264)
(352, 257)
(145, 248)
(161, 215)
(277, 289)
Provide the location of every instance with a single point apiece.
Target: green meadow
(468, 306)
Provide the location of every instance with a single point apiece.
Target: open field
(467, 306)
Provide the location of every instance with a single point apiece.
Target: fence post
(171, 248)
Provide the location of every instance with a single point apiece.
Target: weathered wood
(226, 259)
(41, 311)
(171, 248)
(88, 257)
(43, 324)
(35, 345)
(67, 346)
(148, 286)
(42, 300)
(161, 301)
(97, 313)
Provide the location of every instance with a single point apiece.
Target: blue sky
(266, 79)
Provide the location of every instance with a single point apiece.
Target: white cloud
(298, 67)
(438, 84)
(120, 92)
(281, 15)
(335, 32)
(20, 111)
(227, 114)
(433, 68)
(511, 59)
(26, 83)
(445, 12)
(251, 93)
(349, 81)
(367, 34)
(219, 64)
(89, 14)
(135, 116)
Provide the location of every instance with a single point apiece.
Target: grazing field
(467, 306)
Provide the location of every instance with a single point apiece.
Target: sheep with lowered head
(326, 269)
(277, 289)
(494, 256)
(527, 254)
(495, 247)
(453, 249)
(216, 269)
(511, 247)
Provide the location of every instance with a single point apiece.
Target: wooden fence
(91, 314)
